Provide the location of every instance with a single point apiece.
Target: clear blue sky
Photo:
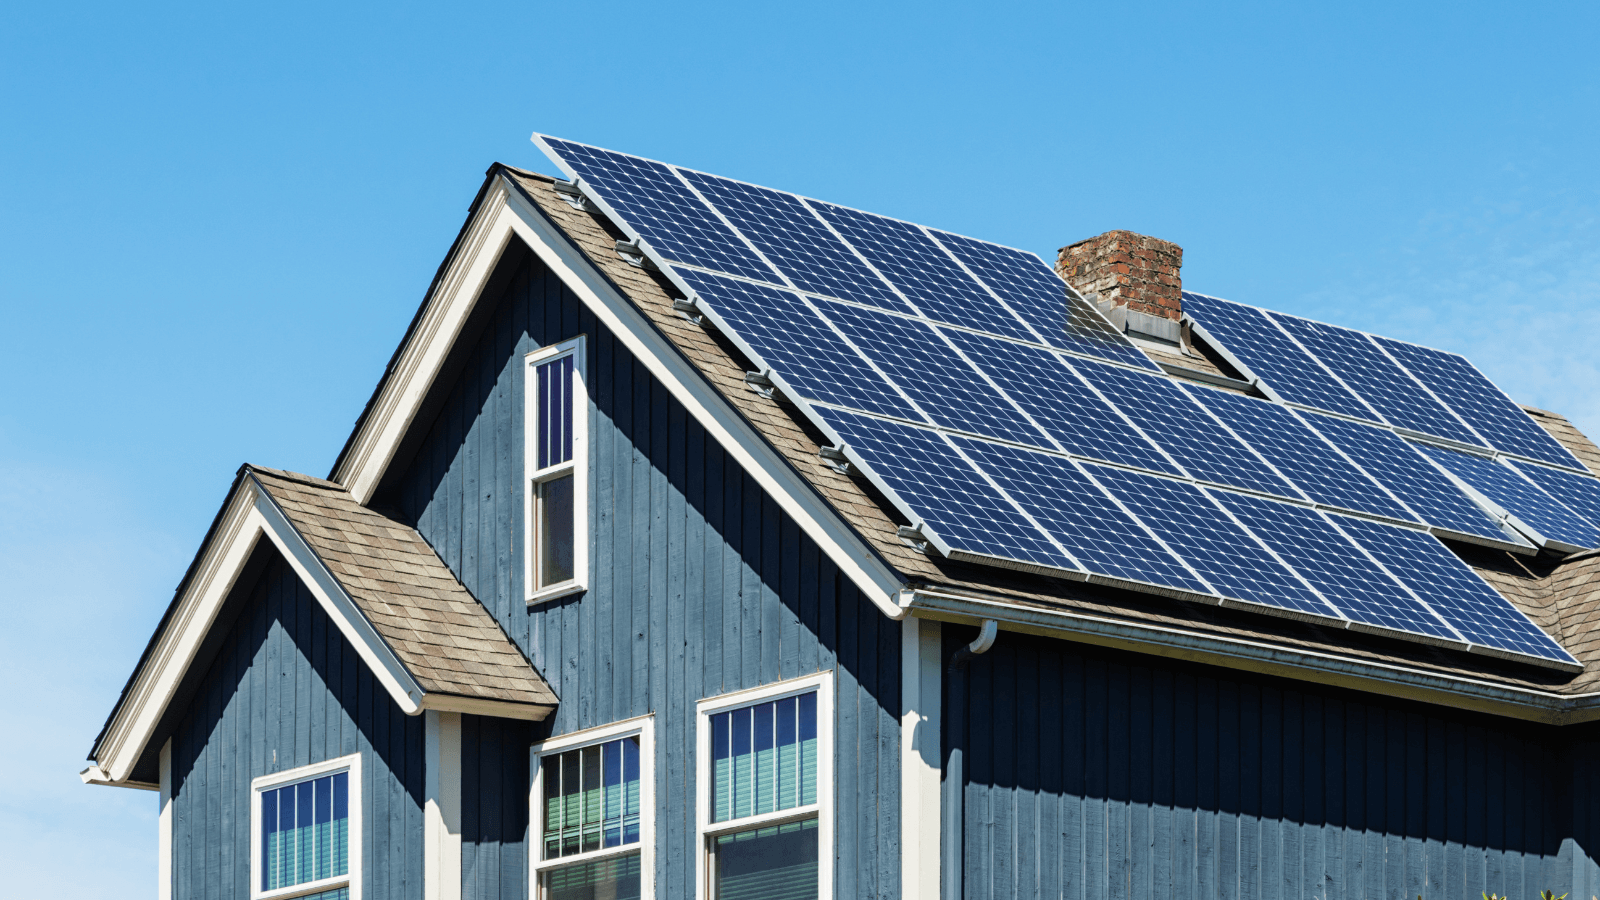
(216, 221)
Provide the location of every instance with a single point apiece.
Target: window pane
(555, 530)
(305, 830)
(776, 863)
(591, 798)
(554, 387)
(605, 879)
(764, 758)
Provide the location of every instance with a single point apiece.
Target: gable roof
(428, 641)
(968, 592)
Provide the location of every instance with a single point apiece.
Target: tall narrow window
(592, 810)
(766, 816)
(557, 509)
(306, 832)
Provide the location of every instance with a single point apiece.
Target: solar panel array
(1012, 424)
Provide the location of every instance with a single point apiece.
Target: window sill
(302, 890)
(556, 592)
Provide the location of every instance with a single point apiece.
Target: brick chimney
(1134, 278)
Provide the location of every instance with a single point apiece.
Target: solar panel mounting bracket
(913, 536)
(634, 255)
(835, 457)
(762, 383)
(690, 310)
(574, 195)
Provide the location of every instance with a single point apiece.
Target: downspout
(951, 825)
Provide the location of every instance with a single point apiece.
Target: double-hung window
(557, 485)
(592, 811)
(307, 833)
(766, 795)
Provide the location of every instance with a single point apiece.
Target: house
(631, 581)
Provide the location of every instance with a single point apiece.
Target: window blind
(305, 832)
(555, 412)
(764, 758)
(591, 798)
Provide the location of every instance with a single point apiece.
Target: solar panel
(1518, 496)
(791, 338)
(923, 271)
(1404, 471)
(1579, 493)
(1181, 427)
(948, 390)
(1305, 459)
(651, 199)
(1042, 299)
(1060, 402)
(1475, 398)
(796, 241)
(1246, 334)
(1455, 592)
(918, 469)
(1198, 530)
(1335, 567)
(1371, 373)
(1080, 516)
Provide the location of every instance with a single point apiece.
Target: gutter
(1529, 704)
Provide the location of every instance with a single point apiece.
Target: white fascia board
(793, 493)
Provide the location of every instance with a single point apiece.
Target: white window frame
(578, 466)
(820, 683)
(644, 728)
(351, 879)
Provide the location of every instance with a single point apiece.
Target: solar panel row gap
(1579, 493)
(1543, 519)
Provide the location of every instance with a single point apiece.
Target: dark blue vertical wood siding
(1097, 774)
(699, 585)
(288, 690)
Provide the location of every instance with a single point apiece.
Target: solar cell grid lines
(1403, 470)
(1080, 516)
(916, 358)
(791, 338)
(1060, 402)
(1335, 566)
(1043, 300)
(1266, 351)
(1579, 493)
(1173, 420)
(923, 271)
(1236, 564)
(1476, 399)
(939, 488)
(796, 241)
(1372, 374)
(1299, 454)
(1456, 593)
(650, 198)
(1518, 496)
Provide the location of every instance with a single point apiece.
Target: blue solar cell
(791, 338)
(1199, 531)
(1371, 373)
(1473, 397)
(796, 241)
(1267, 352)
(1335, 566)
(1302, 457)
(1042, 299)
(1060, 402)
(1412, 478)
(1456, 593)
(923, 271)
(948, 390)
(650, 198)
(1080, 516)
(938, 487)
(1518, 496)
(1579, 493)
(1180, 426)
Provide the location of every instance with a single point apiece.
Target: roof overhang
(248, 516)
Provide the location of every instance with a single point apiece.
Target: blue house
(701, 540)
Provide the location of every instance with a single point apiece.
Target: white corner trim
(164, 827)
(441, 765)
(793, 493)
(921, 692)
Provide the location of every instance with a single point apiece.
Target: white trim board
(248, 516)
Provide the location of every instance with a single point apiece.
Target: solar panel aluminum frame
(1500, 513)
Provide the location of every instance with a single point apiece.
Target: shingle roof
(439, 631)
(1562, 600)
